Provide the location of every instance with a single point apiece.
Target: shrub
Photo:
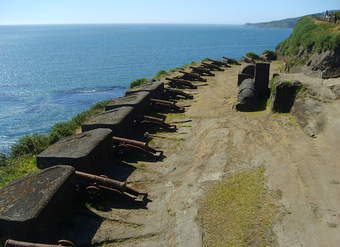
(3, 160)
(271, 55)
(311, 37)
(160, 74)
(138, 82)
(33, 144)
(253, 55)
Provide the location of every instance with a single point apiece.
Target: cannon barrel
(15, 243)
(130, 141)
(177, 92)
(157, 121)
(109, 183)
(212, 66)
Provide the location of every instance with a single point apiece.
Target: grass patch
(161, 74)
(17, 167)
(138, 82)
(172, 116)
(239, 211)
(312, 37)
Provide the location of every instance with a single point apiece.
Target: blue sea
(49, 73)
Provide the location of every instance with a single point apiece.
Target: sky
(13, 12)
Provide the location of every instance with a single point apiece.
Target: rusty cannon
(180, 83)
(202, 71)
(15, 243)
(231, 60)
(98, 184)
(219, 63)
(191, 76)
(173, 93)
(123, 121)
(166, 103)
(212, 67)
(145, 119)
(123, 144)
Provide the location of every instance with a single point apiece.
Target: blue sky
(156, 11)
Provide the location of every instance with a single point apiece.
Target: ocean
(49, 73)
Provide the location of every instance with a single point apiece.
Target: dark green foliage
(138, 82)
(253, 55)
(33, 144)
(160, 74)
(3, 160)
(311, 37)
(271, 55)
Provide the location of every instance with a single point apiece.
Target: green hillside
(285, 23)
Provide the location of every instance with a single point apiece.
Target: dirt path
(212, 141)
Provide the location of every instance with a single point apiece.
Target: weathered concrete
(85, 151)
(139, 100)
(284, 96)
(119, 120)
(29, 206)
(262, 79)
(156, 89)
(248, 70)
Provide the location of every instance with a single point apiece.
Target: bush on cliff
(311, 37)
(138, 82)
(253, 55)
(270, 55)
(33, 144)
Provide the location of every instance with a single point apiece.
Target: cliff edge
(313, 48)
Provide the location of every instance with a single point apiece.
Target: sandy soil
(212, 139)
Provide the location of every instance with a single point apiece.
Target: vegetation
(253, 55)
(21, 160)
(161, 74)
(138, 82)
(310, 36)
(271, 55)
(239, 211)
(285, 23)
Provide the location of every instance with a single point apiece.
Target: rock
(119, 120)
(336, 91)
(247, 96)
(31, 206)
(262, 79)
(327, 63)
(86, 151)
(284, 95)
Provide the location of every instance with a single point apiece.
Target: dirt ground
(212, 141)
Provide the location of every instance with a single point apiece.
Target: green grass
(138, 82)
(17, 167)
(239, 211)
(161, 74)
(310, 36)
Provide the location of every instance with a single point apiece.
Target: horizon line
(117, 23)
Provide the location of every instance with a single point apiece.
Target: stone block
(31, 205)
(284, 96)
(85, 151)
(156, 89)
(119, 120)
(262, 79)
(138, 100)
